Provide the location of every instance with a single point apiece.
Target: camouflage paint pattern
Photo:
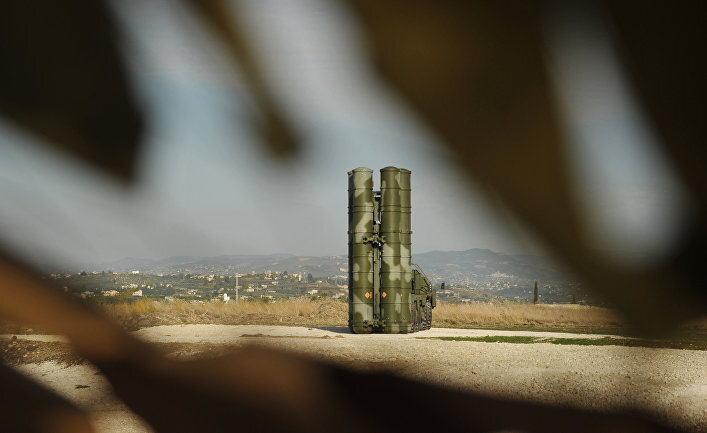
(361, 214)
(425, 297)
(405, 235)
(395, 312)
(377, 243)
(385, 293)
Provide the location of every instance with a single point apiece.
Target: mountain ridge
(476, 274)
(456, 267)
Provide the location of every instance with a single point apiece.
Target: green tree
(535, 293)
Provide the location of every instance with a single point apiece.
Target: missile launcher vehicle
(387, 293)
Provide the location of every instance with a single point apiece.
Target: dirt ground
(668, 383)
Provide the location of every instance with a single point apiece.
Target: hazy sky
(206, 188)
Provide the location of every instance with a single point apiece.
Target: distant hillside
(455, 267)
(481, 265)
(231, 264)
(473, 274)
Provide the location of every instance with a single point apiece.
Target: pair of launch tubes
(380, 271)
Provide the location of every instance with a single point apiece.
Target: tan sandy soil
(669, 383)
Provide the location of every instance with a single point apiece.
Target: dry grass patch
(304, 312)
(300, 312)
(523, 315)
(141, 313)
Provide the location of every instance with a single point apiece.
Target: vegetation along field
(142, 300)
(191, 316)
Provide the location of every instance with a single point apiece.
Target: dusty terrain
(669, 383)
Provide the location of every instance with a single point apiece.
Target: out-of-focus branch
(276, 132)
(475, 72)
(28, 299)
(30, 408)
(62, 77)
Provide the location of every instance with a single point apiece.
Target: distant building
(312, 292)
(137, 292)
(110, 293)
(134, 272)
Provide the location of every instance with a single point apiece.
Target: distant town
(469, 276)
(267, 286)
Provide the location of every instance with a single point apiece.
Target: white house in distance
(137, 292)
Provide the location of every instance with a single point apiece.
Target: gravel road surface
(669, 383)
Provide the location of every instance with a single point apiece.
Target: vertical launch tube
(405, 238)
(361, 218)
(394, 314)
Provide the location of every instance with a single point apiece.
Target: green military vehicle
(386, 294)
